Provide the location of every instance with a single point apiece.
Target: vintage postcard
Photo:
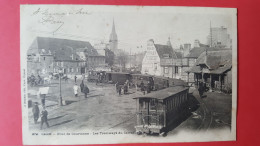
(94, 74)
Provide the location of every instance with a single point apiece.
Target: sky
(134, 25)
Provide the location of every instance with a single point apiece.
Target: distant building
(219, 37)
(100, 47)
(113, 41)
(67, 60)
(158, 60)
(47, 55)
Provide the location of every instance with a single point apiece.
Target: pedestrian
(44, 117)
(167, 83)
(119, 89)
(36, 112)
(81, 86)
(75, 77)
(148, 87)
(201, 89)
(86, 91)
(142, 87)
(76, 88)
(42, 97)
(125, 88)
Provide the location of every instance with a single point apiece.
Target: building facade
(219, 37)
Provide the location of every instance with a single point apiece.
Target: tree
(109, 57)
(122, 59)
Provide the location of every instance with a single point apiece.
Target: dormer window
(166, 55)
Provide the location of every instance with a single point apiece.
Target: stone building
(47, 55)
(219, 37)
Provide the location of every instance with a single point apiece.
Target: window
(61, 64)
(166, 55)
(176, 69)
(43, 58)
(155, 66)
(166, 70)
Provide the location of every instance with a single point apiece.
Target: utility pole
(210, 35)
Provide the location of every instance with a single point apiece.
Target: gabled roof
(216, 61)
(165, 49)
(195, 52)
(54, 44)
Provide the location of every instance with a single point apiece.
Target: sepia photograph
(94, 74)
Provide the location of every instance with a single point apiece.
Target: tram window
(153, 104)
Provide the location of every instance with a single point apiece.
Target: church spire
(169, 42)
(113, 42)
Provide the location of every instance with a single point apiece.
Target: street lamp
(60, 99)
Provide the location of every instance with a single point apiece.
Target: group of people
(148, 88)
(122, 88)
(43, 114)
(35, 80)
(83, 88)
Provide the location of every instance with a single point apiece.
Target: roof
(164, 93)
(66, 54)
(165, 49)
(54, 44)
(118, 73)
(195, 52)
(217, 61)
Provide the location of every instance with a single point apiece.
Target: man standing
(81, 86)
(75, 89)
(35, 111)
(86, 91)
(75, 77)
(148, 87)
(44, 117)
(201, 89)
(142, 87)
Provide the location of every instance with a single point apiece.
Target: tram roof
(117, 72)
(164, 93)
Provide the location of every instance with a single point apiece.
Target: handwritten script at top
(55, 18)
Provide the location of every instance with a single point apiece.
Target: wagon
(157, 111)
(137, 78)
(117, 77)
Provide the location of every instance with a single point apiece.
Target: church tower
(113, 42)
(169, 42)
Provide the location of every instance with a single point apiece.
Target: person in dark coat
(119, 89)
(125, 88)
(44, 117)
(142, 87)
(36, 112)
(201, 89)
(75, 77)
(43, 96)
(86, 91)
(148, 87)
(167, 83)
(81, 86)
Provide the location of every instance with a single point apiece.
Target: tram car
(158, 110)
(92, 76)
(138, 78)
(117, 77)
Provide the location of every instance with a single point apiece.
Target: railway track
(207, 116)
